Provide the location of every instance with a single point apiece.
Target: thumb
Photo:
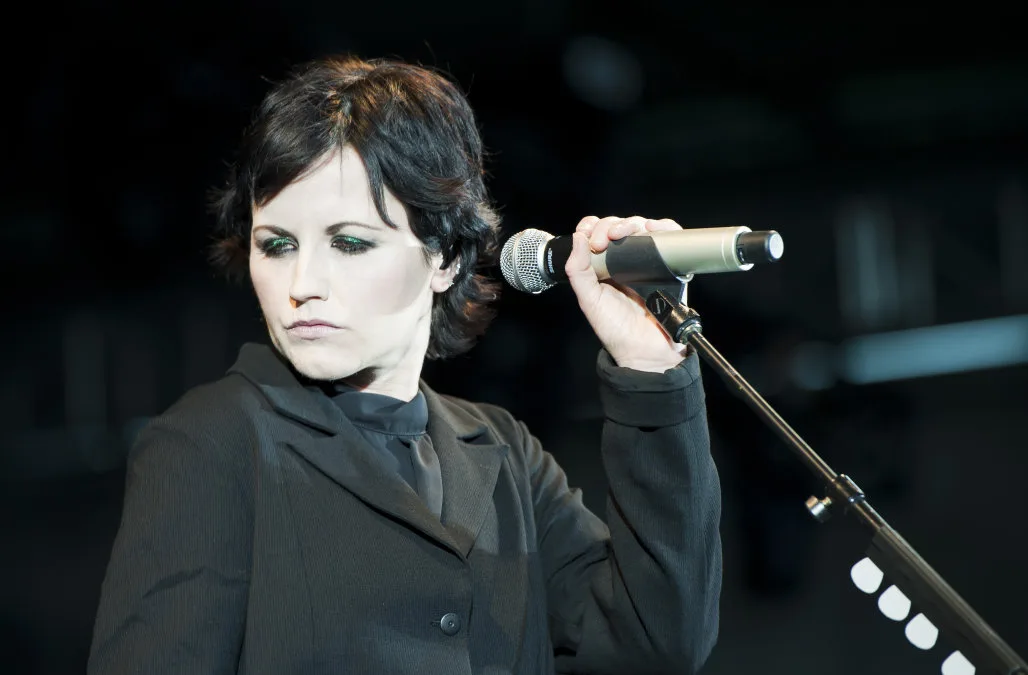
(579, 269)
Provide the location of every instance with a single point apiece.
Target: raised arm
(641, 596)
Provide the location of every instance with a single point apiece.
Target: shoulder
(193, 465)
(228, 406)
(210, 425)
(483, 423)
(471, 417)
(226, 403)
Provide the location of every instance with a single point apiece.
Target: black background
(122, 115)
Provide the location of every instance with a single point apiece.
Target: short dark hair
(417, 136)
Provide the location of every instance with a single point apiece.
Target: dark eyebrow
(330, 230)
(273, 229)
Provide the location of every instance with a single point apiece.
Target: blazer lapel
(468, 462)
(351, 463)
(341, 453)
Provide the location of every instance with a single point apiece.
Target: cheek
(390, 284)
(267, 284)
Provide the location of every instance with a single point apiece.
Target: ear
(442, 277)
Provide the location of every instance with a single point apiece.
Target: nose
(310, 280)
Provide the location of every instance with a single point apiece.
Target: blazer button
(450, 624)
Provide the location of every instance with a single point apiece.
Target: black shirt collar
(378, 412)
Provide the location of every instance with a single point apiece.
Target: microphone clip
(678, 319)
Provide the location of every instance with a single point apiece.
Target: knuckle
(586, 224)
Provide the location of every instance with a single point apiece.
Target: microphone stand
(887, 549)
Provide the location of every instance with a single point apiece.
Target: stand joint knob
(818, 508)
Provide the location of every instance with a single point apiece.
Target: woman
(321, 509)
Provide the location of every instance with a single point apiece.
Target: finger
(598, 238)
(580, 259)
(627, 227)
(579, 269)
(585, 225)
(662, 225)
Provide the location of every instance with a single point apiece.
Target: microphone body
(533, 261)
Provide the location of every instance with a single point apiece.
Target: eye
(273, 247)
(352, 245)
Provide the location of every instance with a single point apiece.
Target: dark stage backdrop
(887, 145)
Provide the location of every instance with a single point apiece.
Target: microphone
(533, 261)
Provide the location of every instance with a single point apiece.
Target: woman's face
(343, 294)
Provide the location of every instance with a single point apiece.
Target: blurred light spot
(957, 664)
(936, 350)
(866, 576)
(894, 604)
(921, 632)
(603, 73)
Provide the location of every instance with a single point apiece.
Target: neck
(404, 388)
(400, 380)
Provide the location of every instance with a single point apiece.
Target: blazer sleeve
(641, 593)
(175, 593)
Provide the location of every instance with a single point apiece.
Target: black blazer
(261, 535)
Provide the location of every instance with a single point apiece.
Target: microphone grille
(521, 261)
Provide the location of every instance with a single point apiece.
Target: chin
(320, 361)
